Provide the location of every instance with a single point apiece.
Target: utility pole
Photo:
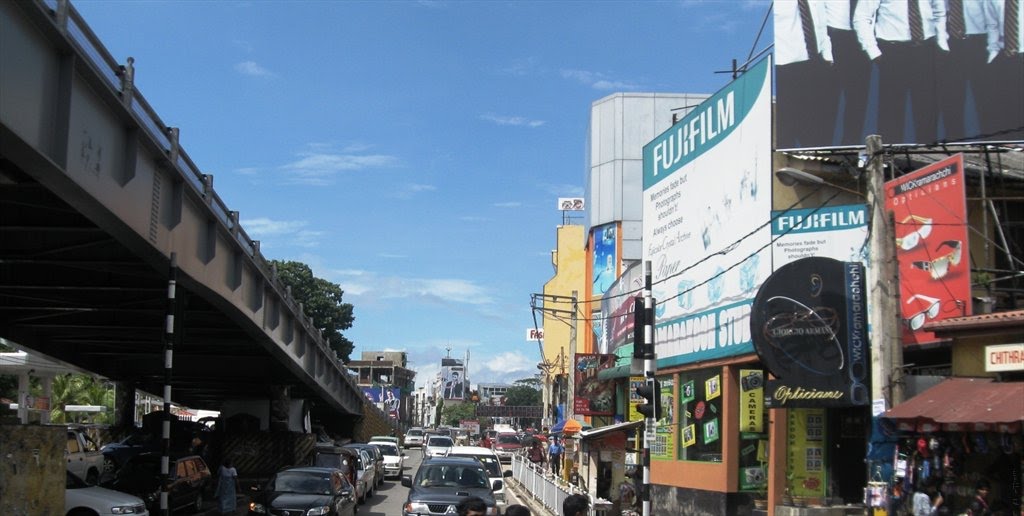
(884, 290)
(571, 398)
(651, 390)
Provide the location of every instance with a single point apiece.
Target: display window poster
(666, 433)
(634, 399)
(753, 444)
(706, 195)
(700, 417)
(805, 461)
(929, 208)
(593, 396)
(751, 401)
(713, 387)
(752, 467)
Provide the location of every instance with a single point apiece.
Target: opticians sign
(929, 207)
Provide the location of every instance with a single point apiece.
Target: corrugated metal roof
(965, 400)
(993, 321)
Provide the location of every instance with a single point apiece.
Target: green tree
(80, 389)
(452, 414)
(322, 301)
(522, 396)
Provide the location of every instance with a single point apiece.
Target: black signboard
(809, 327)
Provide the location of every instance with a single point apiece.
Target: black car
(302, 491)
(442, 482)
(190, 481)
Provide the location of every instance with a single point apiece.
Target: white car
(394, 459)
(81, 498)
(437, 446)
(491, 464)
(414, 437)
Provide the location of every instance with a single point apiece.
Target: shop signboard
(839, 232)
(752, 401)
(593, 396)
(706, 200)
(805, 461)
(809, 326)
(929, 207)
(663, 446)
(1004, 357)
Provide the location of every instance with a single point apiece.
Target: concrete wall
(32, 472)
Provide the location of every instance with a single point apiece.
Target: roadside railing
(545, 488)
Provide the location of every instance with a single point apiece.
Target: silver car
(437, 446)
(413, 438)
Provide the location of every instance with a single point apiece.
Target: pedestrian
(575, 505)
(555, 456)
(927, 499)
(227, 487)
(979, 504)
(517, 510)
(576, 479)
(536, 454)
(472, 506)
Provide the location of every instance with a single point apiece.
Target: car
(115, 454)
(413, 438)
(442, 482)
(394, 459)
(83, 455)
(345, 459)
(81, 498)
(437, 446)
(190, 480)
(366, 472)
(506, 445)
(378, 459)
(491, 465)
(389, 438)
(305, 491)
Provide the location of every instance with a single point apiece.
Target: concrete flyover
(96, 197)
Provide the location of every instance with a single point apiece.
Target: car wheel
(92, 477)
(108, 465)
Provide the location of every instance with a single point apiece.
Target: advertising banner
(618, 301)
(389, 399)
(634, 399)
(810, 331)
(453, 382)
(805, 463)
(839, 232)
(930, 209)
(752, 401)
(706, 201)
(664, 445)
(593, 396)
(842, 73)
(606, 265)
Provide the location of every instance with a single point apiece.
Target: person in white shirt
(805, 98)
(851, 70)
(902, 37)
(973, 43)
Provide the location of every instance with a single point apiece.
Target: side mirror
(498, 484)
(506, 473)
(406, 481)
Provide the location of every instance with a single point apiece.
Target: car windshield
(330, 460)
(415, 432)
(302, 482)
(440, 441)
(508, 439)
(447, 475)
(490, 463)
(387, 449)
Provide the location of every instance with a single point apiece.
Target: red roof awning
(963, 404)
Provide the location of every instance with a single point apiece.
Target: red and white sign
(930, 207)
(1004, 357)
(535, 334)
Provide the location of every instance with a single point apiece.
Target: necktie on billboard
(1011, 27)
(955, 19)
(808, 25)
(914, 19)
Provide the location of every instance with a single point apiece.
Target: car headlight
(492, 511)
(416, 508)
(123, 509)
(257, 508)
(318, 511)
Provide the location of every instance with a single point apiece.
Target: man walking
(555, 456)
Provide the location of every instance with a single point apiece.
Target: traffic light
(639, 322)
(651, 393)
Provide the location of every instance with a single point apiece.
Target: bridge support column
(124, 406)
(280, 407)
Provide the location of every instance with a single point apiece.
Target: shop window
(700, 415)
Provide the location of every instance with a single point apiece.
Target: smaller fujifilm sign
(1004, 357)
(570, 203)
(535, 334)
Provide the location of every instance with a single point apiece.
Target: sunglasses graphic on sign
(940, 266)
(914, 238)
(916, 321)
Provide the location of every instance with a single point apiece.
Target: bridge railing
(119, 79)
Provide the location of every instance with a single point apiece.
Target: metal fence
(543, 486)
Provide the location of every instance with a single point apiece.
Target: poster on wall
(664, 447)
(634, 398)
(805, 460)
(751, 401)
(705, 202)
(453, 382)
(593, 396)
(617, 330)
(606, 265)
(839, 232)
(929, 207)
(388, 399)
(849, 72)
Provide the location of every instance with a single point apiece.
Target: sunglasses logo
(931, 311)
(939, 267)
(915, 237)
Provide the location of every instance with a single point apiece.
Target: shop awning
(963, 404)
(605, 430)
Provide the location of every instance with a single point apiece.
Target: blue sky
(413, 152)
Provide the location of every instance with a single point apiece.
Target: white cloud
(392, 256)
(511, 120)
(474, 218)
(319, 168)
(279, 233)
(408, 190)
(252, 68)
(509, 204)
(598, 81)
(520, 67)
(379, 287)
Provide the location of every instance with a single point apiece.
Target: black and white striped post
(172, 308)
(650, 368)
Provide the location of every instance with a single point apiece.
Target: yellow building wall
(569, 262)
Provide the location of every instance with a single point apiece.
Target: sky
(413, 152)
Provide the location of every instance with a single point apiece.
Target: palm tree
(80, 389)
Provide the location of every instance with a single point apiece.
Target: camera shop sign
(809, 327)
